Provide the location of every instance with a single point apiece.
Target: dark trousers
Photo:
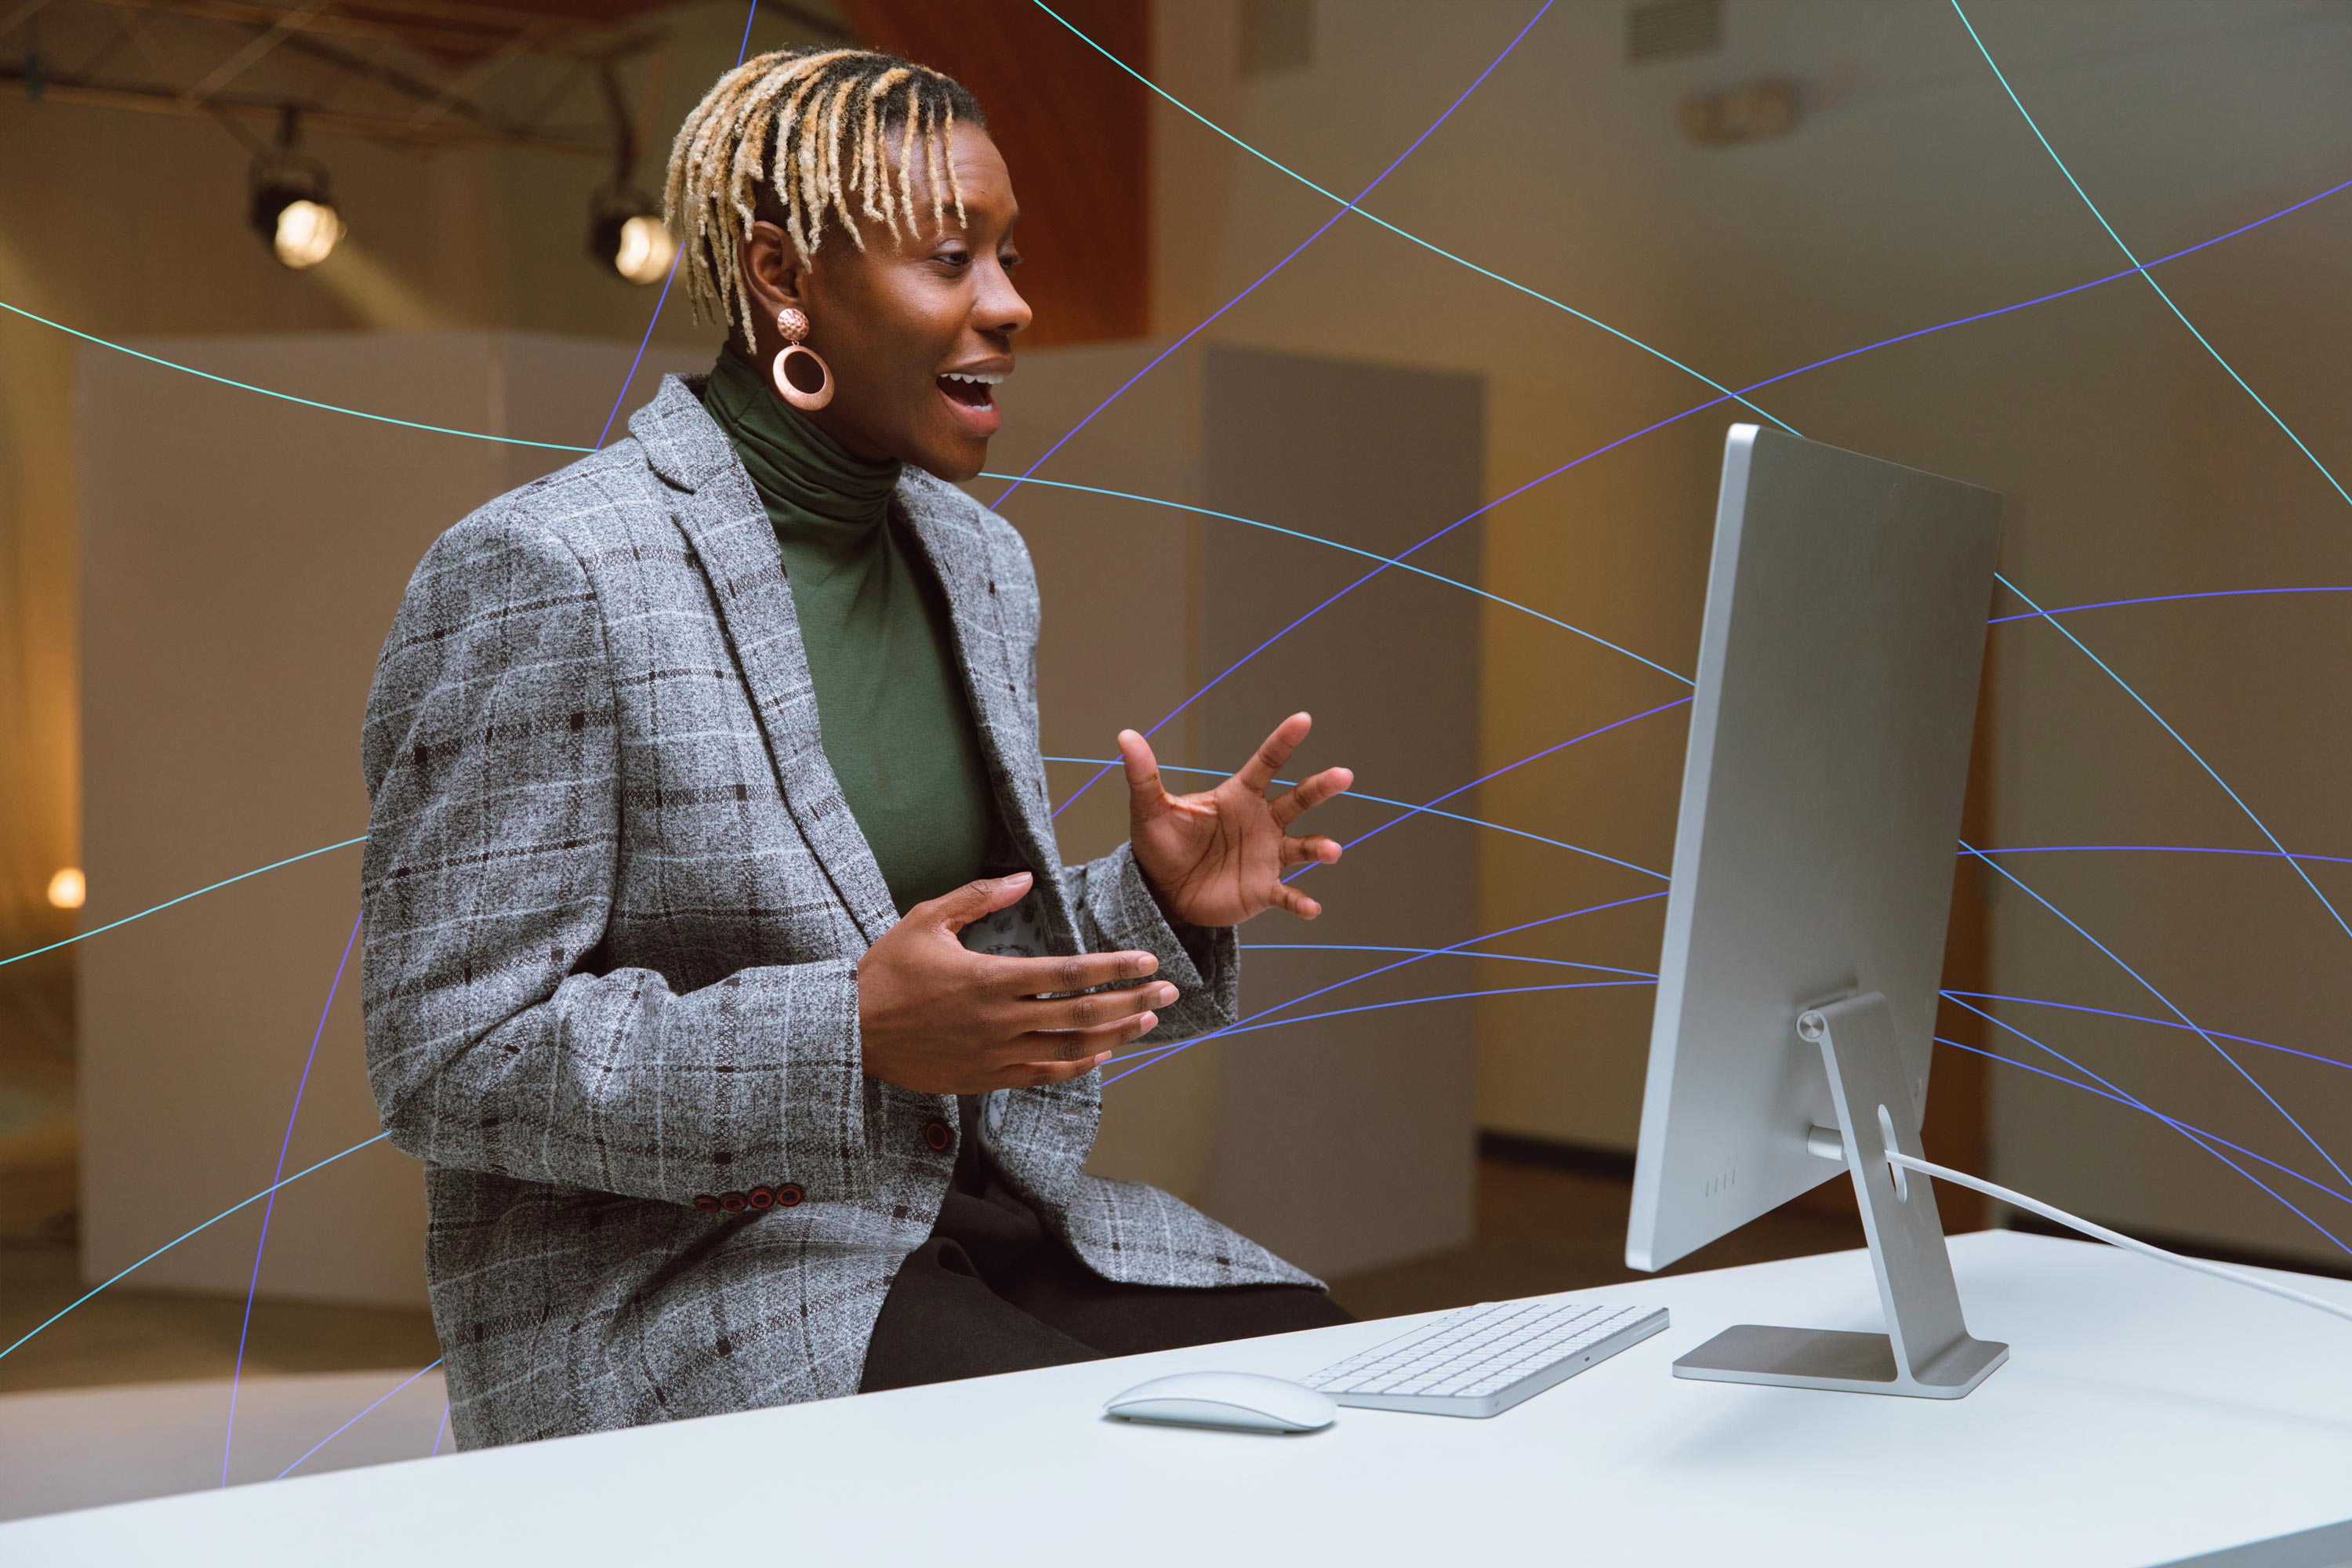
(993, 1290)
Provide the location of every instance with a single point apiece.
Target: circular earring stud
(790, 376)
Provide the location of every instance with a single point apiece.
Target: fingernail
(1164, 994)
(1017, 877)
(1150, 1021)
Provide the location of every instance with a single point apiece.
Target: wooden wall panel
(1074, 130)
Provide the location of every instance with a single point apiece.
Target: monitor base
(1837, 1360)
(1927, 1351)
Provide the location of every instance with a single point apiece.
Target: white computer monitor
(1837, 680)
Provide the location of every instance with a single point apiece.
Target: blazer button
(705, 1203)
(937, 1136)
(760, 1198)
(733, 1202)
(788, 1194)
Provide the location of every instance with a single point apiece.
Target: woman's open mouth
(973, 396)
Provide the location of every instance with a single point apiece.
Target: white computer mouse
(1237, 1401)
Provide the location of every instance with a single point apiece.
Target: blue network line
(253, 1288)
(1444, 952)
(440, 1432)
(2135, 260)
(2199, 1142)
(2142, 1018)
(1384, 800)
(184, 898)
(2194, 756)
(1161, 1053)
(355, 1420)
(1286, 261)
(1251, 1028)
(2156, 849)
(2146, 599)
(2196, 1134)
(1347, 205)
(1353, 550)
(2145, 985)
(1534, 757)
(167, 1247)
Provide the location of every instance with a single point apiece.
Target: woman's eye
(953, 258)
(1009, 261)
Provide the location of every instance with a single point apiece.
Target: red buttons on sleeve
(760, 1197)
(788, 1195)
(705, 1203)
(937, 1136)
(733, 1202)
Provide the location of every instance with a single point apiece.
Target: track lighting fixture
(291, 209)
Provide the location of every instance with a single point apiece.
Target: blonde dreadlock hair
(792, 137)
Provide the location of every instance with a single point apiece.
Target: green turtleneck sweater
(890, 697)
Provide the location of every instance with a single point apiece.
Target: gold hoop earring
(795, 326)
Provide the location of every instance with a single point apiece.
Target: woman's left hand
(1217, 858)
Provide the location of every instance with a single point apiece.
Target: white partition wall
(241, 558)
(1344, 1141)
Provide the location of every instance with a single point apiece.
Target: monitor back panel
(1821, 794)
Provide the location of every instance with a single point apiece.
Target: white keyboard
(1483, 1360)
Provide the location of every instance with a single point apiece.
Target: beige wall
(1911, 194)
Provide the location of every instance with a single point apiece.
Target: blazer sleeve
(491, 754)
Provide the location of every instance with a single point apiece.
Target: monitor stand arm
(1926, 1351)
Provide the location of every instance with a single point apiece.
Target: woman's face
(894, 322)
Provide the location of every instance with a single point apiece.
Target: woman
(719, 963)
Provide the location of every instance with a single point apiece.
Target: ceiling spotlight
(291, 208)
(627, 233)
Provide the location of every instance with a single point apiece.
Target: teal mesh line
(288, 396)
(2126, 249)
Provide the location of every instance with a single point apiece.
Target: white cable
(2113, 1238)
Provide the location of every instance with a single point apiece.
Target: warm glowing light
(66, 889)
(307, 231)
(645, 250)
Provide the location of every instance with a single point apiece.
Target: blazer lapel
(985, 655)
(731, 537)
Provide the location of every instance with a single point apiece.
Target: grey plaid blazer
(614, 900)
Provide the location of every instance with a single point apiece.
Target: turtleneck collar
(803, 475)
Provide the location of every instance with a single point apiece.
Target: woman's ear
(773, 270)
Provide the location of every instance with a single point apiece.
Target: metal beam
(592, 142)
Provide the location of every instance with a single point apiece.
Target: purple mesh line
(355, 1420)
(1161, 1053)
(1286, 261)
(1499, 773)
(440, 1432)
(1700, 408)
(630, 379)
(254, 1285)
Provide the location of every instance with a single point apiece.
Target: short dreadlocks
(789, 135)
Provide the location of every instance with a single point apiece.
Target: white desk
(2144, 1416)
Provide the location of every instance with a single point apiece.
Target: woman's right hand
(936, 1017)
